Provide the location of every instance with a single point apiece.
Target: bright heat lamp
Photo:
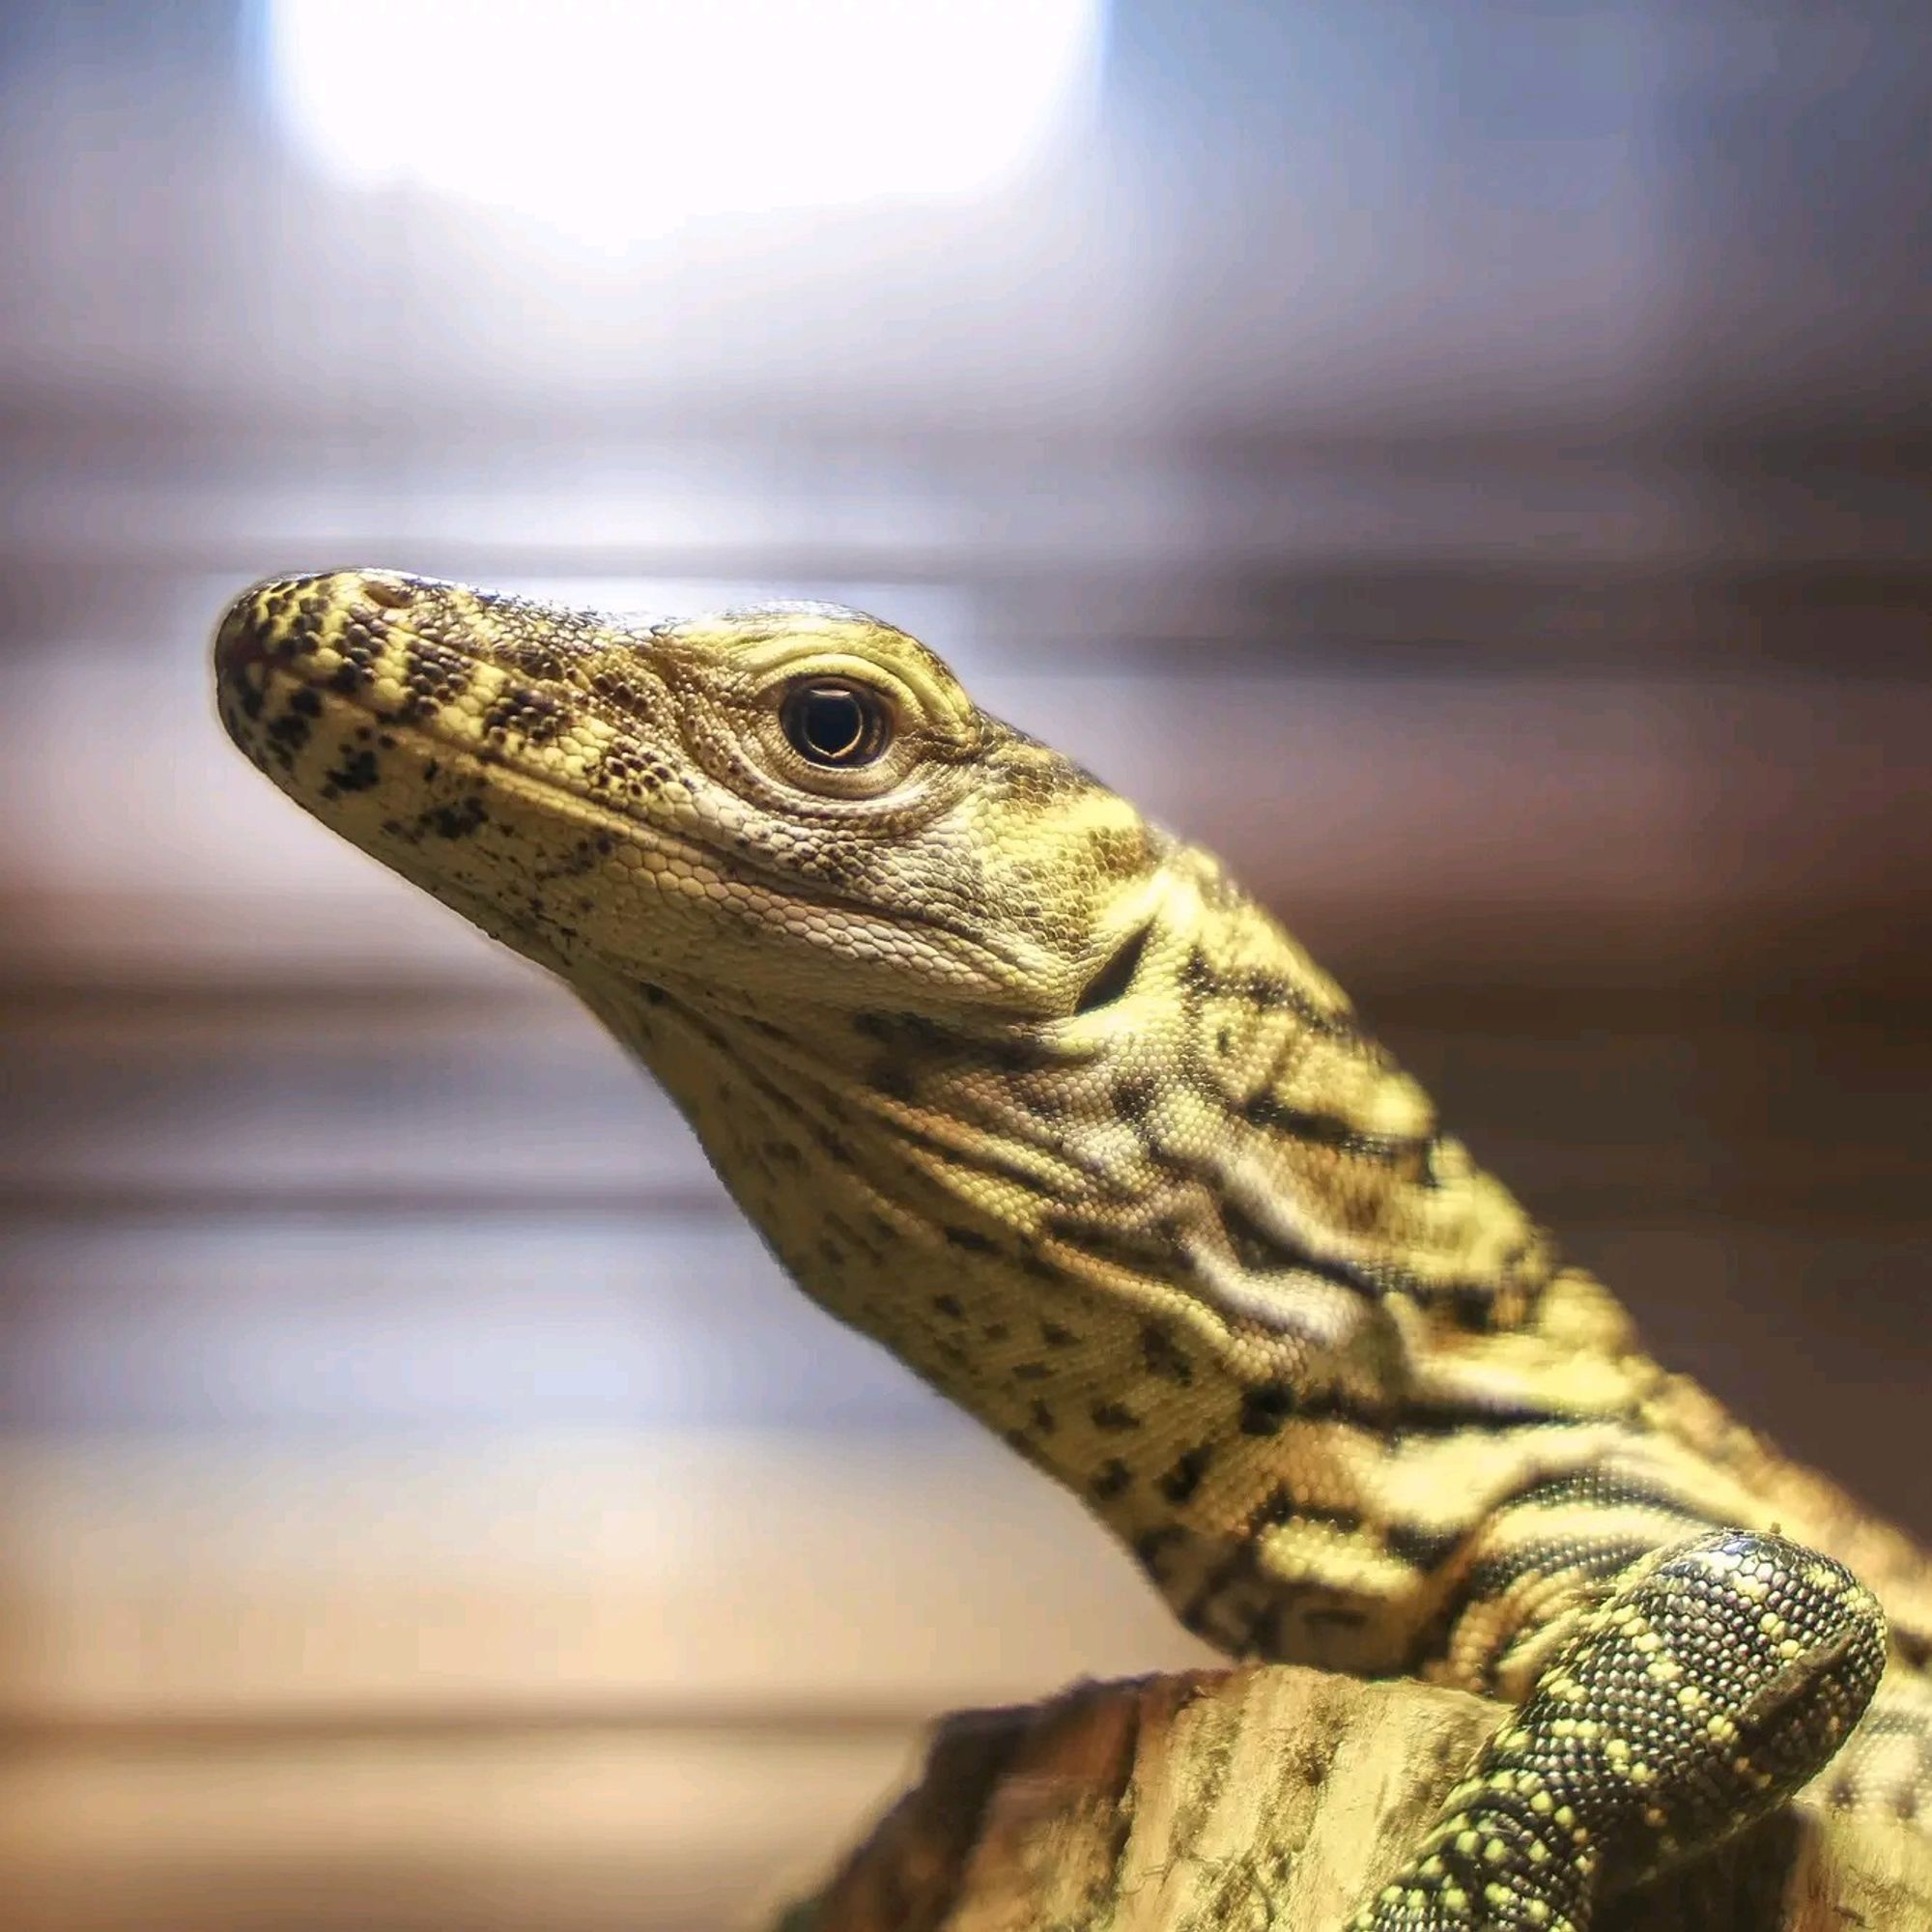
(617, 120)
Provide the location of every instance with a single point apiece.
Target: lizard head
(795, 804)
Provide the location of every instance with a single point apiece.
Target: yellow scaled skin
(1034, 1095)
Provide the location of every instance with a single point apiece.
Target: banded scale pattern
(1033, 1093)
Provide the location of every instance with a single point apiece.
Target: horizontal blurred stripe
(650, 1574)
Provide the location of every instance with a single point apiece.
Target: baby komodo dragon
(1035, 1095)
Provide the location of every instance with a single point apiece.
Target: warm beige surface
(680, 1830)
(692, 1577)
(552, 1679)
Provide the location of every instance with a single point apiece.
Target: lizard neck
(1214, 1180)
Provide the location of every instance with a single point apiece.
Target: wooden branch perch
(1268, 1799)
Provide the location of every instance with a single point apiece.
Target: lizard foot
(1715, 1679)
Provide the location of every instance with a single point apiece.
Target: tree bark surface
(1270, 1800)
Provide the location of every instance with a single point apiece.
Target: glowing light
(622, 119)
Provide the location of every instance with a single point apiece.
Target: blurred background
(1469, 463)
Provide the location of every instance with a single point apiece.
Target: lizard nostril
(392, 594)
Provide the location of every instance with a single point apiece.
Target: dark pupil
(832, 724)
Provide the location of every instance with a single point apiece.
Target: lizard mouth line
(241, 656)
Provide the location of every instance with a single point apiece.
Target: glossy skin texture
(1034, 1095)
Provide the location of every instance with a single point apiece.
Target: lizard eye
(837, 724)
